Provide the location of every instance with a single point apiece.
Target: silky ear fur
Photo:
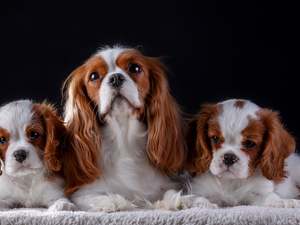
(83, 137)
(199, 154)
(165, 145)
(54, 131)
(278, 145)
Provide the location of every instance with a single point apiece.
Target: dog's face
(27, 143)
(236, 136)
(126, 80)
(115, 78)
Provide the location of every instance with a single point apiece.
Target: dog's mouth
(119, 102)
(16, 169)
(228, 174)
(233, 173)
(118, 98)
(22, 170)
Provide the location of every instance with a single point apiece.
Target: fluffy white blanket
(234, 215)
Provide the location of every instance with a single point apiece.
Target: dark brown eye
(216, 140)
(249, 144)
(34, 135)
(94, 77)
(3, 141)
(135, 69)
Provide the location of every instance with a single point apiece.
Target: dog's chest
(124, 161)
(232, 192)
(24, 189)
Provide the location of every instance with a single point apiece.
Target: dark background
(215, 49)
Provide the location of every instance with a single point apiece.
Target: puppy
(237, 153)
(30, 148)
(124, 131)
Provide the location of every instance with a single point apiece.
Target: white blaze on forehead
(16, 116)
(110, 56)
(233, 119)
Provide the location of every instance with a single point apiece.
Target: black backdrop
(215, 49)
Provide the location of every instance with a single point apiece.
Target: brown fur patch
(3, 147)
(94, 64)
(37, 125)
(214, 129)
(52, 136)
(198, 138)
(278, 145)
(254, 132)
(239, 103)
(83, 138)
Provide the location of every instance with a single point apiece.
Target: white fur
(230, 186)
(128, 179)
(25, 184)
(290, 187)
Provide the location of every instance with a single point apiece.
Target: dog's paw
(203, 203)
(62, 206)
(173, 201)
(285, 203)
(111, 203)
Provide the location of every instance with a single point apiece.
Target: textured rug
(234, 215)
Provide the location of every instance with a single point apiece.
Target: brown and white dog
(30, 152)
(124, 133)
(237, 151)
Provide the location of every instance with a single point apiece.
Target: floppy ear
(198, 149)
(165, 145)
(278, 145)
(54, 131)
(83, 138)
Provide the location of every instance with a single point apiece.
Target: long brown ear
(198, 149)
(165, 145)
(83, 137)
(278, 145)
(54, 131)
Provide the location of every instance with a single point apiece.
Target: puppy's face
(23, 138)
(236, 136)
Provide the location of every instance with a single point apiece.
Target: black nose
(20, 155)
(116, 80)
(229, 159)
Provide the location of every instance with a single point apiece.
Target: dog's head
(233, 137)
(30, 137)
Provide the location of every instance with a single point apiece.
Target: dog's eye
(95, 76)
(249, 144)
(3, 141)
(34, 135)
(135, 69)
(216, 140)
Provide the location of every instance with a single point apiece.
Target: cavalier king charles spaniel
(124, 134)
(237, 152)
(30, 149)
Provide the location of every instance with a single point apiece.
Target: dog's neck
(28, 180)
(123, 136)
